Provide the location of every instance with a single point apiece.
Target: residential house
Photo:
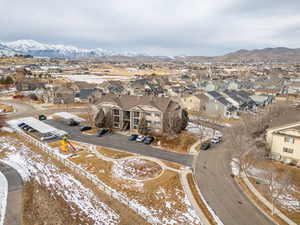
(84, 94)
(113, 87)
(284, 142)
(29, 85)
(262, 100)
(194, 103)
(217, 106)
(240, 99)
(128, 112)
(58, 94)
(294, 88)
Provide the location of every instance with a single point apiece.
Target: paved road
(25, 109)
(212, 173)
(14, 206)
(118, 141)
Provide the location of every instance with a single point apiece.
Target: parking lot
(120, 142)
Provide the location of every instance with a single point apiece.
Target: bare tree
(108, 120)
(175, 122)
(2, 120)
(277, 185)
(142, 128)
(90, 115)
(245, 150)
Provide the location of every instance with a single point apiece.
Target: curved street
(13, 215)
(231, 205)
(212, 173)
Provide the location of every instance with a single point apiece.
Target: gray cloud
(194, 27)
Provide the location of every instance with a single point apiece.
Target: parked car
(73, 123)
(140, 138)
(26, 127)
(42, 117)
(205, 146)
(148, 140)
(31, 129)
(215, 140)
(132, 137)
(84, 128)
(21, 125)
(102, 132)
(48, 136)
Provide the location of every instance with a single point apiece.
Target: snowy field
(94, 78)
(44, 171)
(203, 131)
(287, 200)
(162, 198)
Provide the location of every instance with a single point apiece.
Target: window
(148, 114)
(116, 125)
(116, 112)
(148, 122)
(288, 150)
(157, 114)
(289, 140)
(136, 114)
(135, 121)
(116, 119)
(156, 123)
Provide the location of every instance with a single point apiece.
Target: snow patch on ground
(54, 179)
(3, 197)
(288, 201)
(203, 131)
(94, 78)
(235, 168)
(135, 169)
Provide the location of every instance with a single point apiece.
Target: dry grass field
(180, 143)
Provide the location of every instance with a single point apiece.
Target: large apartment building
(284, 142)
(158, 113)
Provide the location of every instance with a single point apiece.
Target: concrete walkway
(3, 197)
(188, 191)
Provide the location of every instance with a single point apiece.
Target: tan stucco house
(284, 142)
(127, 112)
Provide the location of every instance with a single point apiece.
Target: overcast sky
(157, 27)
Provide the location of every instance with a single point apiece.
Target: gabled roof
(127, 102)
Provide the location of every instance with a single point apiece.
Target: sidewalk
(3, 197)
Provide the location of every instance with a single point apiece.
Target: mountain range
(37, 49)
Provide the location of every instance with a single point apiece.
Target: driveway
(14, 205)
(120, 142)
(212, 172)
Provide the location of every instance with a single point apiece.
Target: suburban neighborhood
(149, 112)
(151, 127)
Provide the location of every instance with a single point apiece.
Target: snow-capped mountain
(6, 51)
(34, 48)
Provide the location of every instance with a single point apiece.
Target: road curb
(3, 197)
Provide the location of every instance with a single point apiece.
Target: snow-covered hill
(6, 51)
(34, 48)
